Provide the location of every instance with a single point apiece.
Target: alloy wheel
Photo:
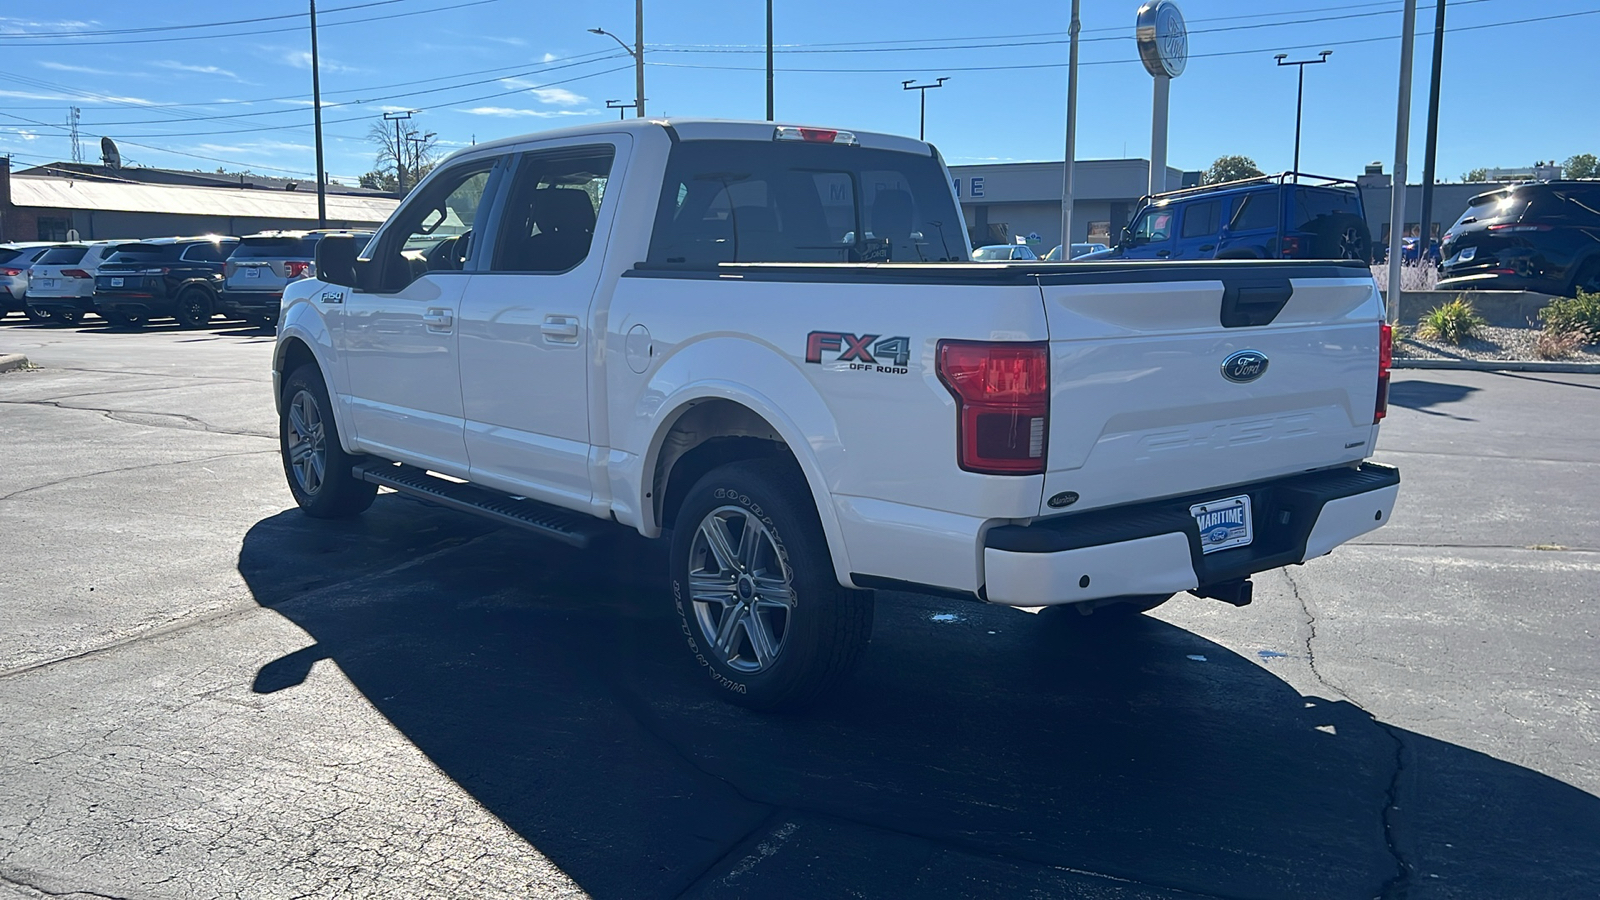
(307, 444)
(742, 593)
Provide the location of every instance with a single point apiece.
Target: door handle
(438, 319)
(1163, 253)
(560, 329)
(1207, 248)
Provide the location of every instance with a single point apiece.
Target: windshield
(63, 256)
(749, 201)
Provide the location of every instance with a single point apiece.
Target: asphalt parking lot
(204, 694)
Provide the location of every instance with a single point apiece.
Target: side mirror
(336, 260)
(1126, 240)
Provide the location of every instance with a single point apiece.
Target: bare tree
(409, 154)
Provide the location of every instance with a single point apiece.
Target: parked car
(1078, 250)
(178, 277)
(1004, 252)
(1269, 217)
(259, 268)
(15, 260)
(1542, 236)
(61, 282)
(666, 354)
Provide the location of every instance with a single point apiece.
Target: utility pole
(1300, 97)
(922, 125)
(399, 148)
(316, 116)
(1402, 137)
(72, 122)
(769, 59)
(1431, 145)
(622, 107)
(1072, 135)
(636, 51)
(416, 152)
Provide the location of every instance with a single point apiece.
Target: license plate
(116, 282)
(1224, 524)
(47, 282)
(252, 272)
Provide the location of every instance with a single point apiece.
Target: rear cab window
(749, 201)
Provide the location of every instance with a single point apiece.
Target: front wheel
(753, 585)
(316, 466)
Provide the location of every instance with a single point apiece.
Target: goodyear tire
(316, 466)
(761, 614)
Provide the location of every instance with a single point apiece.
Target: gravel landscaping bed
(1492, 343)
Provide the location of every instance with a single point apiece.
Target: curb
(1499, 365)
(9, 361)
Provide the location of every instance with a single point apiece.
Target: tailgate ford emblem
(1246, 365)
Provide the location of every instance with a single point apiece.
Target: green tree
(1582, 165)
(1472, 175)
(1230, 168)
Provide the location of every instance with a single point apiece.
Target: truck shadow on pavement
(979, 751)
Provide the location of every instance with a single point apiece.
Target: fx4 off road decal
(862, 353)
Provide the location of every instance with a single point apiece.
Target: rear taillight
(74, 273)
(1291, 247)
(298, 268)
(11, 272)
(1002, 392)
(1385, 361)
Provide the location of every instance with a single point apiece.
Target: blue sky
(494, 68)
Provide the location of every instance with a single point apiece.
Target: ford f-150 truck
(768, 342)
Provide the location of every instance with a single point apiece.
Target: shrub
(1549, 344)
(1451, 322)
(1578, 315)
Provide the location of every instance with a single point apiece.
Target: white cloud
(301, 59)
(27, 135)
(553, 95)
(513, 41)
(64, 67)
(550, 57)
(506, 112)
(84, 101)
(201, 70)
(24, 26)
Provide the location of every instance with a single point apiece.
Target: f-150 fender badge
(862, 353)
(1244, 366)
(332, 297)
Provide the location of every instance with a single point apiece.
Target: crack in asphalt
(83, 475)
(12, 879)
(147, 419)
(1396, 886)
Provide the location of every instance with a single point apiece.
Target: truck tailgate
(1142, 408)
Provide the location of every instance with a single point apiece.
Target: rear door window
(751, 201)
(1202, 219)
(549, 219)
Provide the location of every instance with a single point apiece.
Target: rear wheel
(122, 320)
(195, 307)
(317, 467)
(1587, 279)
(758, 604)
(37, 316)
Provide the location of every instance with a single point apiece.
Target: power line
(153, 28)
(206, 37)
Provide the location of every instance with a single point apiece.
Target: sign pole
(1164, 49)
(1158, 134)
(1402, 135)
(1072, 135)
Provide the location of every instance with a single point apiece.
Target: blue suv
(1269, 217)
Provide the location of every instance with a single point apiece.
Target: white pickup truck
(768, 341)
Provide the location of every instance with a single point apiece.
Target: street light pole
(316, 115)
(399, 149)
(1072, 134)
(1402, 139)
(636, 51)
(1430, 146)
(1300, 96)
(922, 125)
